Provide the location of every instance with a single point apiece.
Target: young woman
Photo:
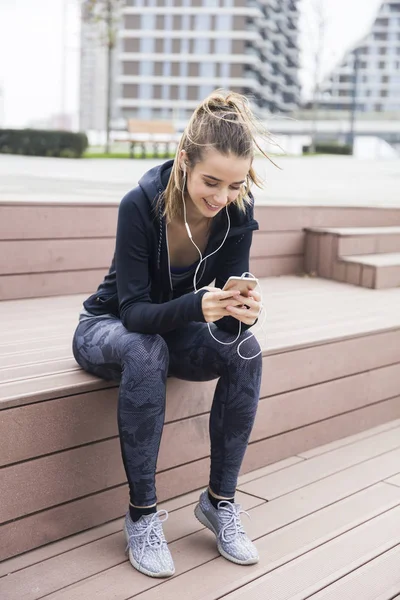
(156, 314)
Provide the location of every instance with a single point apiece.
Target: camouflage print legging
(141, 363)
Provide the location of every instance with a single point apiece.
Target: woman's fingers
(249, 312)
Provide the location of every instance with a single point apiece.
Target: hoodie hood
(155, 181)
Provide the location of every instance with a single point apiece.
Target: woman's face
(215, 182)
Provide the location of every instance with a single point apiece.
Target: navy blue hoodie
(137, 288)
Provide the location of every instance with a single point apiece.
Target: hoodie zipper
(169, 263)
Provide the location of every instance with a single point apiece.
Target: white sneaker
(232, 541)
(146, 545)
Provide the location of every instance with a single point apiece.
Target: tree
(106, 14)
(317, 34)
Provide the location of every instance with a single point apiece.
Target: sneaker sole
(140, 568)
(200, 516)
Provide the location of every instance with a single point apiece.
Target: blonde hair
(223, 121)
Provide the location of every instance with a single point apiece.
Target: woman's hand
(242, 313)
(215, 302)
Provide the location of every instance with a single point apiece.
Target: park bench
(328, 373)
(156, 134)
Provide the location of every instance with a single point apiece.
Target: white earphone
(183, 166)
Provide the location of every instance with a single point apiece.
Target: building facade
(371, 71)
(174, 53)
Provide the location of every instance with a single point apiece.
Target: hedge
(37, 142)
(329, 148)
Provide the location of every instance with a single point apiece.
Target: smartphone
(243, 284)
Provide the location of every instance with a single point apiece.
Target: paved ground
(319, 180)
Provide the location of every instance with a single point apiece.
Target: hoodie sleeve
(235, 263)
(137, 311)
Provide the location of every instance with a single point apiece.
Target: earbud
(183, 167)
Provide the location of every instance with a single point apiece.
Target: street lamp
(354, 101)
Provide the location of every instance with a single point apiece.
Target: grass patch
(126, 155)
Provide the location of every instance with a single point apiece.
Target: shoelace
(230, 516)
(152, 533)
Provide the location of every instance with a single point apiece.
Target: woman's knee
(146, 351)
(249, 349)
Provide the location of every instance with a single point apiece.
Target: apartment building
(175, 52)
(172, 53)
(372, 68)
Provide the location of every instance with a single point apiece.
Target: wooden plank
(50, 221)
(350, 439)
(94, 533)
(394, 480)
(278, 466)
(56, 325)
(275, 415)
(294, 218)
(217, 577)
(106, 552)
(311, 253)
(326, 254)
(38, 256)
(377, 580)
(312, 572)
(50, 284)
(357, 244)
(42, 428)
(58, 478)
(43, 527)
(55, 344)
(49, 386)
(23, 372)
(308, 366)
(277, 244)
(321, 466)
(274, 266)
(32, 357)
(292, 442)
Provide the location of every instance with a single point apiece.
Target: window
(145, 91)
(185, 46)
(203, 23)
(147, 45)
(223, 46)
(146, 67)
(207, 69)
(202, 46)
(224, 71)
(148, 22)
(224, 22)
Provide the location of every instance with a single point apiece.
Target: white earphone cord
(243, 276)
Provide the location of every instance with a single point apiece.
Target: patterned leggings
(141, 363)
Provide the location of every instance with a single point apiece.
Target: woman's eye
(236, 189)
(210, 184)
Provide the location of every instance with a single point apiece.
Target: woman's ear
(183, 161)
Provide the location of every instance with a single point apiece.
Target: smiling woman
(187, 224)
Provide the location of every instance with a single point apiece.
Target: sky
(36, 49)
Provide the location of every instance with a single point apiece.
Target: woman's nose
(220, 198)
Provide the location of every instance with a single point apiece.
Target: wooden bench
(155, 133)
(331, 368)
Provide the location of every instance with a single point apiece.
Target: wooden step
(377, 271)
(331, 369)
(335, 527)
(364, 256)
